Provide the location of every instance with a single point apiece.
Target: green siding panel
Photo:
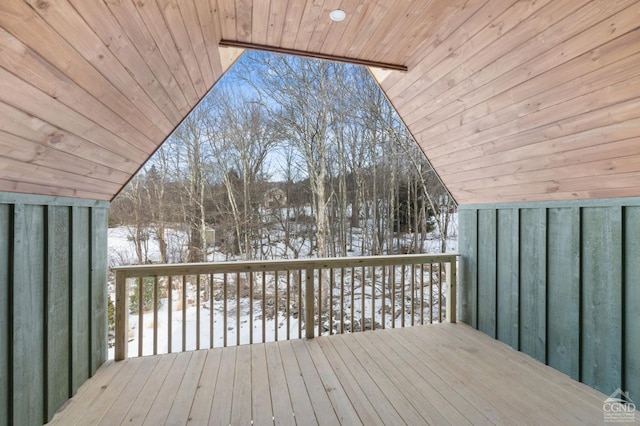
(99, 231)
(58, 361)
(28, 315)
(533, 283)
(563, 272)
(632, 303)
(5, 241)
(602, 298)
(508, 277)
(468, 247)
(487, 272)
(80, 297)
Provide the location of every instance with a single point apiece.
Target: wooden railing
(319, 296)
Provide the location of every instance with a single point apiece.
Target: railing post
(452, 289)
(122, 316)
(309, 303)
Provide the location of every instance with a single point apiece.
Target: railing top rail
(131, 271)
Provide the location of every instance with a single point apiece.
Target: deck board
(444, 373)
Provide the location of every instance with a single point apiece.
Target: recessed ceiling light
(337, 15)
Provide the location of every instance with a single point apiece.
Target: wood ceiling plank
(66, 21)
(398, 27)
(134, 27)
(22, 61)
(260, 21)
(521, 21)
(610, 181)
(195, 31)
(26, 151)
(27, 98)
(211, 34)
(244, 16)
(323, 25)
(26, 126)
(21, 21)
(546, 89)
(420, 20)
(450, 33)
(173, 19)
(541, 160)
(32, 173)
(154, 22)
(354, 22)
(109, 31)
(7, 185)
(292, 20)
(373, 21)
(277, 13)
(602, 126)
(354, 9)
(227, 19)
(610, 95)
(308, 22)
(555, 45)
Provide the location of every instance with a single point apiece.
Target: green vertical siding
(533, 283)
(6, 230)
(468, 240)
(631, 320)
(53, 269)
(563, 283)
(602, 298)
(507, 277)
(28, 314)
(58, 333)
(565, 287)
(487, 272)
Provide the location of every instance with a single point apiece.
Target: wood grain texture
(487, 262)
(601, 360)
(508, 277)
(99, 268)
(28, 315)
(563, 297)
(503, 96)
(468, 248)
(631, 336)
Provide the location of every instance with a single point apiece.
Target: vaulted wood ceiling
(510, 100)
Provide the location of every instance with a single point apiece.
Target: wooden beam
(316, 55)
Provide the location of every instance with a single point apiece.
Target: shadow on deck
(437, 374)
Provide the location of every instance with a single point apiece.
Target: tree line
(287, 157)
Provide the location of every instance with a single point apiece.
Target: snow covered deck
(435, 374)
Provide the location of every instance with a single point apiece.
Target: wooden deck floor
(439, 374)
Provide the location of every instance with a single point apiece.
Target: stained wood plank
(28, 385)
(80, 296)
(601, 310)
(280, 399)
(163, 403)
(42, 39)
(99, 267)
(201, 407)
(322, 407)
(262, 413)
(563, 298)
(182, 402)
(533, 285)
(468, 247)
(340, 401)
(194, 29)
(241, 393)
(631, 360)
(69, 24)
(508, 277)
(487, 261)
(58, 358)
(222, 398)
(300, 399)
(143, 401)
(6, 238)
